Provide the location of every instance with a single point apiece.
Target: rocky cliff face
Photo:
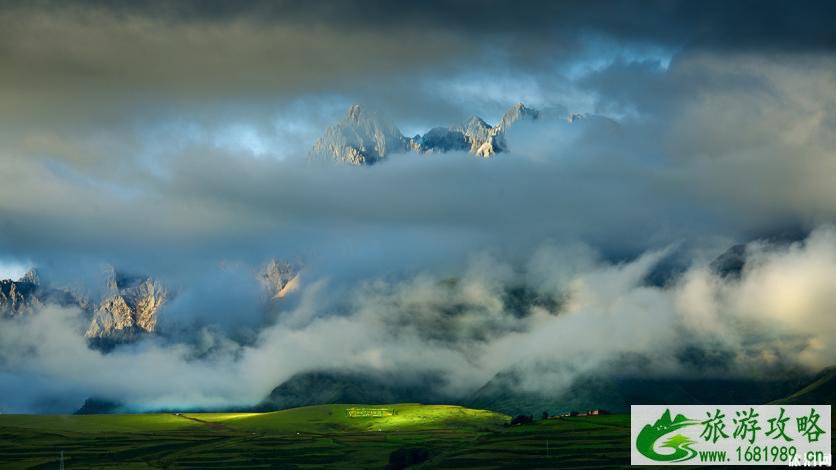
(360, 138)
(363, 138)
(441, 139)
(518, 112)
(27, 294)
(278, 278)
(129, 308)
(480, 135)
(17, 297)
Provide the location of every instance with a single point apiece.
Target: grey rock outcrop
(360, 138)
(441, 139)
(481, 136)
(278, 278)
(129, 309)
(28, 294)
(518, 112)
(18, 297)
(363, 138)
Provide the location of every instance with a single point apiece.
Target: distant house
(594, 412)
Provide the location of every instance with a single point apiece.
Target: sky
(171, 139)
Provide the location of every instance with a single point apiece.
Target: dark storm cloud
(118, 112)
(79, 62)
(169, 138)
(713, 23)
(669, 174)
(72, 66)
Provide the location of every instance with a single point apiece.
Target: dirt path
(210, 425)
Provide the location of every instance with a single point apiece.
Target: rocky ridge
(130, 306)
(28, 294)
(128, 309)
(362, 137)
(278, 278)
(17, 297)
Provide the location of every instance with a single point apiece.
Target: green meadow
(335, 436)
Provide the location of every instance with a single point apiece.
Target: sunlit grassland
(316, 436)
(329, 418)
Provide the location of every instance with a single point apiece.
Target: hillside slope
(358, 418)
(820, 391)
(328, 387)
(314, 437)
(504, 393)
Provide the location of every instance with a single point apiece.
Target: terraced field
(312, 437)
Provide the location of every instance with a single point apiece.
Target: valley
(323, 436)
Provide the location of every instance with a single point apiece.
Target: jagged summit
(279, 278)
(479, 134)
(17, 297)
(442, 139)
(361, 137)
(116, 280)
(31, 277)
(129, 308)
(126, 306)
(357, 113)
(28, 294)
(475, 123)
(518, 112)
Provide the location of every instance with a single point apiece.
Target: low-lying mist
(562, 306)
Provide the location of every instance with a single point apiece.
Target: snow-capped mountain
(362, 137)
(278, 278)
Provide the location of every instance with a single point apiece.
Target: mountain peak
(361, 138)
(129, 308)
(480, 135)
(519, 107)
(279, 278)
(355, 113)
(476, 121)
(517, 112)
(31, 277)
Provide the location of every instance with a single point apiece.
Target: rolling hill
(503, 393)
(820, 391)
(331, 436)
(328, 386)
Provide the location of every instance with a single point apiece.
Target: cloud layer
(171, 140)
(777, 314)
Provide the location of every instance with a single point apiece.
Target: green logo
(681, 445)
